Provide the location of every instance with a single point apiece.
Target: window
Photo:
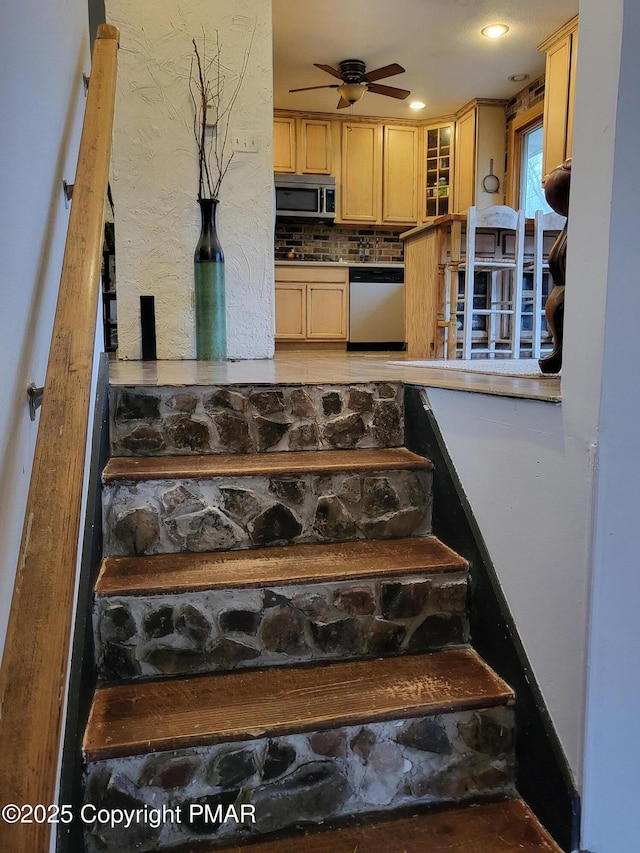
(531, 191)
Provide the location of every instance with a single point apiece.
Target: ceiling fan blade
(385, 71)
(342, 103)
(309, 88)
(390, 91)
(333, 71)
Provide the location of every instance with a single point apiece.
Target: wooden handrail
(34, 667)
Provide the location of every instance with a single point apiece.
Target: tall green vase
(208, 262)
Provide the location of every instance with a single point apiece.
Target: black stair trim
(543, 776)
(83, 673)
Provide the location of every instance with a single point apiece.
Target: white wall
(606, 157)
(155, 183)
(528, 478)
(44, 48)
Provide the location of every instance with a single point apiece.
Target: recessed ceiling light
(495, 31)
(518, 78)
(417, 105)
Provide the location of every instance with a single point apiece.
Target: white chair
(501, 304)
(546, 228)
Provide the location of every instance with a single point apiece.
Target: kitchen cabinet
(361, 179)
(379, 179)
(314, 150)
(480, 138)
(400, 174)
(302, 146)
(561, 49)
(438, 171)
(327, 310)
(312, 304)
(284, 145)
(291, 311)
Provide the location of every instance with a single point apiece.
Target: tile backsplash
(321, 242)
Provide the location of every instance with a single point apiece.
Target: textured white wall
(155, 182)
(44, 48)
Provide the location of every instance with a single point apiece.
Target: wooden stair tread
(266, 464)
(506, 826)
(291, 564)
(136, 718)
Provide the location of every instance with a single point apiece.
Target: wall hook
(34, 395)
(68, 193)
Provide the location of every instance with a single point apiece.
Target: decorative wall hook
(34, 396)
(68, 193)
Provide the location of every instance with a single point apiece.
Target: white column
(603, 310)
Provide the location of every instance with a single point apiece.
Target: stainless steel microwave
(306, 196)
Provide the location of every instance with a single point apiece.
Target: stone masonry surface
(304, 778)
(224, 513)
(170, 421)
(208, 631)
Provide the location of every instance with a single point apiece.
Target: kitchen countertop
(339, 264)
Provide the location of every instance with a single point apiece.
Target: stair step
(306, 745)
(191, 613)
(277, 566)
(258, 464)
(217, 503)
(131, 719)
(170, 420)
(506, 826)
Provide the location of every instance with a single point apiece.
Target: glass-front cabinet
(438, 170)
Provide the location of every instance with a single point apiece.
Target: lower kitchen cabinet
(327, 311)
(312, 304)
(291, 311)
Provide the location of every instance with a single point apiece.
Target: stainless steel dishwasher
(376, 308)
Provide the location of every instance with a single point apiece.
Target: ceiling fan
(356, 80)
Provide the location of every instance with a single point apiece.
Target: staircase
(282, 642)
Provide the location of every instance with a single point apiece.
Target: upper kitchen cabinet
(438, 170)
(314, 150)
(361, 179)
(379, 177)
(400, 174)
(480, 139)
(284, 145)
(562, 50)
(302, 146)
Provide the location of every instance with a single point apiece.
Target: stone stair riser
(226, 513)
(216, 630)
(244, 419)
(303, 778)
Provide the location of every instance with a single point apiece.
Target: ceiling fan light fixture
(494, 31)
(417, 105)
(352, 92)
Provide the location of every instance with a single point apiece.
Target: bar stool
(493, 301)
(550, 224)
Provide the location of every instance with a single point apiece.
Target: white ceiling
(438, 42)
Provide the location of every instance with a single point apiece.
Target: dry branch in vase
(212, 114)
